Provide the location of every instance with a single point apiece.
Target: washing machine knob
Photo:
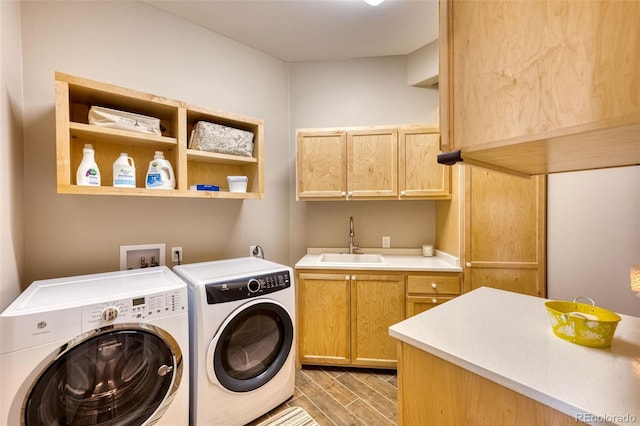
(110, 313)
(253, 285)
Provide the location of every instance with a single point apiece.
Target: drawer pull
(346, 277)
(434, 285)
(468, 264)
(434, 301)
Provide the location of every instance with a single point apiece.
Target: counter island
(490, 357)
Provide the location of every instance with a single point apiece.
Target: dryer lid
(227, 269)
(60, 293)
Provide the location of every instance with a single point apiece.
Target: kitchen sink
(352, 258)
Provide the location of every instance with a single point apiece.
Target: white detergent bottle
(88, 173)
(160, 173)
(124, 172)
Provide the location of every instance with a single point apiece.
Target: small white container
(237, 183)
(427, 250)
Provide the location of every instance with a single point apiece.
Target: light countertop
(395, 260)
(507, 338)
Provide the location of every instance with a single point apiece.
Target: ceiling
(315, 30)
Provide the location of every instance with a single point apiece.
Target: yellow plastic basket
(581, 323)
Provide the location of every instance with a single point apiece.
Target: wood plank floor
(344, 396)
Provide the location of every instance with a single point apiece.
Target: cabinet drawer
(433, 284)
(416, 305)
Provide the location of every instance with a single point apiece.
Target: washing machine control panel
(246, 288)
(135, 309)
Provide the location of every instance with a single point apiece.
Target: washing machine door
(251, 346)
(124, 374)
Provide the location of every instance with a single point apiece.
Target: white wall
(11, 158)
(423, 65)
(593, 236)
(357, 92)
(135, 45)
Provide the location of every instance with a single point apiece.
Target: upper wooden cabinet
(74, 98)
(370, 163)
(540, 87)
(419, 174)
(321, 164)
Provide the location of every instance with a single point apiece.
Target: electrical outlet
(176, 254)
(386, 242)
(251, 249)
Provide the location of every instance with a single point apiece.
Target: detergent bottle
(160, 173)
(124, 172)
(88, 173)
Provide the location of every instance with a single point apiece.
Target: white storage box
(221, 139)
(107, 117)
(237, 183)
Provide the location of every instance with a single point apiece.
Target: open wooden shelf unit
(74, 98)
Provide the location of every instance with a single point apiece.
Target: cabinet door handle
(434, 301)
(434, 285)
(353, 277)
(347, 277)
(344, 194)
(403, 193)
(349, 194)
(468, 264)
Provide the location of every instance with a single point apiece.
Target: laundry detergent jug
(124, 172)
(160, 173)
(88, 173)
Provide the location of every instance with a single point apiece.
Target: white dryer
(102, 349)
(242, 316)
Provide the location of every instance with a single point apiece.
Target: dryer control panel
(248, 287)
(135, 309)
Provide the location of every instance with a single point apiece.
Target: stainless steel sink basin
(352, 258)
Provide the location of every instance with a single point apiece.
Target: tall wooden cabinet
(496, 224)
(344, 317)
(370, 163)
(505, 232)
(538, 86)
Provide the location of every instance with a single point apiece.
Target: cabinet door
(324, 316)
(372, 163)
(568, 100)
(505, 223)
(377, 302)
(419, 174)
(321, 164)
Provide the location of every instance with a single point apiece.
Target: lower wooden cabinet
(432, 391)
(431, 289)
(344, 317)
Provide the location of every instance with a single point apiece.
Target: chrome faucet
(352, 246)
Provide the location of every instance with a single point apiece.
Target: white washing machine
(242, 316)
(102, 349)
